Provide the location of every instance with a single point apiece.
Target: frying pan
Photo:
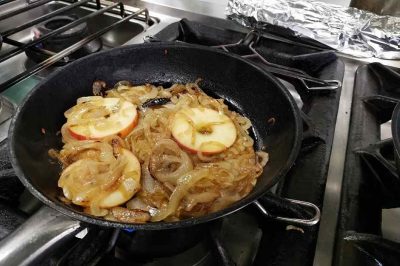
(245, 87)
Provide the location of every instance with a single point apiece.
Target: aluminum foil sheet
(349, 30)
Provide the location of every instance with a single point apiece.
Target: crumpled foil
(349, 30)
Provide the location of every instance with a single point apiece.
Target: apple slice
(203, 130)
(96, 117)
(82, 189)
(130, 184)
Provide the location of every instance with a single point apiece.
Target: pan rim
(158, 225)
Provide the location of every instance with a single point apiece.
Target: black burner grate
(52, 57)
(371, 182)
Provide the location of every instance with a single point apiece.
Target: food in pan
(146, 153)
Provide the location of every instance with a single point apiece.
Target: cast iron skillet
(245, 87)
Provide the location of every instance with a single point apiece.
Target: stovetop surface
(247, 237)
(263, 242)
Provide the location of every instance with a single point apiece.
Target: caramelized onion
(138, 204)
(168, 162)
(262, 158)
(183, 185)
(203, 197)
(174, 184)
(130, 216)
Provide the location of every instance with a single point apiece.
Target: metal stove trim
(331, 204)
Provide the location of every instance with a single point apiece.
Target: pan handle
(305, 222)
(42, 231)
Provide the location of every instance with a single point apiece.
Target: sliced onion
(262, 158)
(203, 197)
(165, 153)
(130, 216)
(88, 99)
(148, 183)
(183, 185)
(138, 204)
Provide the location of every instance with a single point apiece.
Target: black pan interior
(246, 88)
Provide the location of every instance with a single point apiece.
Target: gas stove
(267, 234)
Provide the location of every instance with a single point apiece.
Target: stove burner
(57, 43)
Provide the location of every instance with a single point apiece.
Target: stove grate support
(125, 16)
